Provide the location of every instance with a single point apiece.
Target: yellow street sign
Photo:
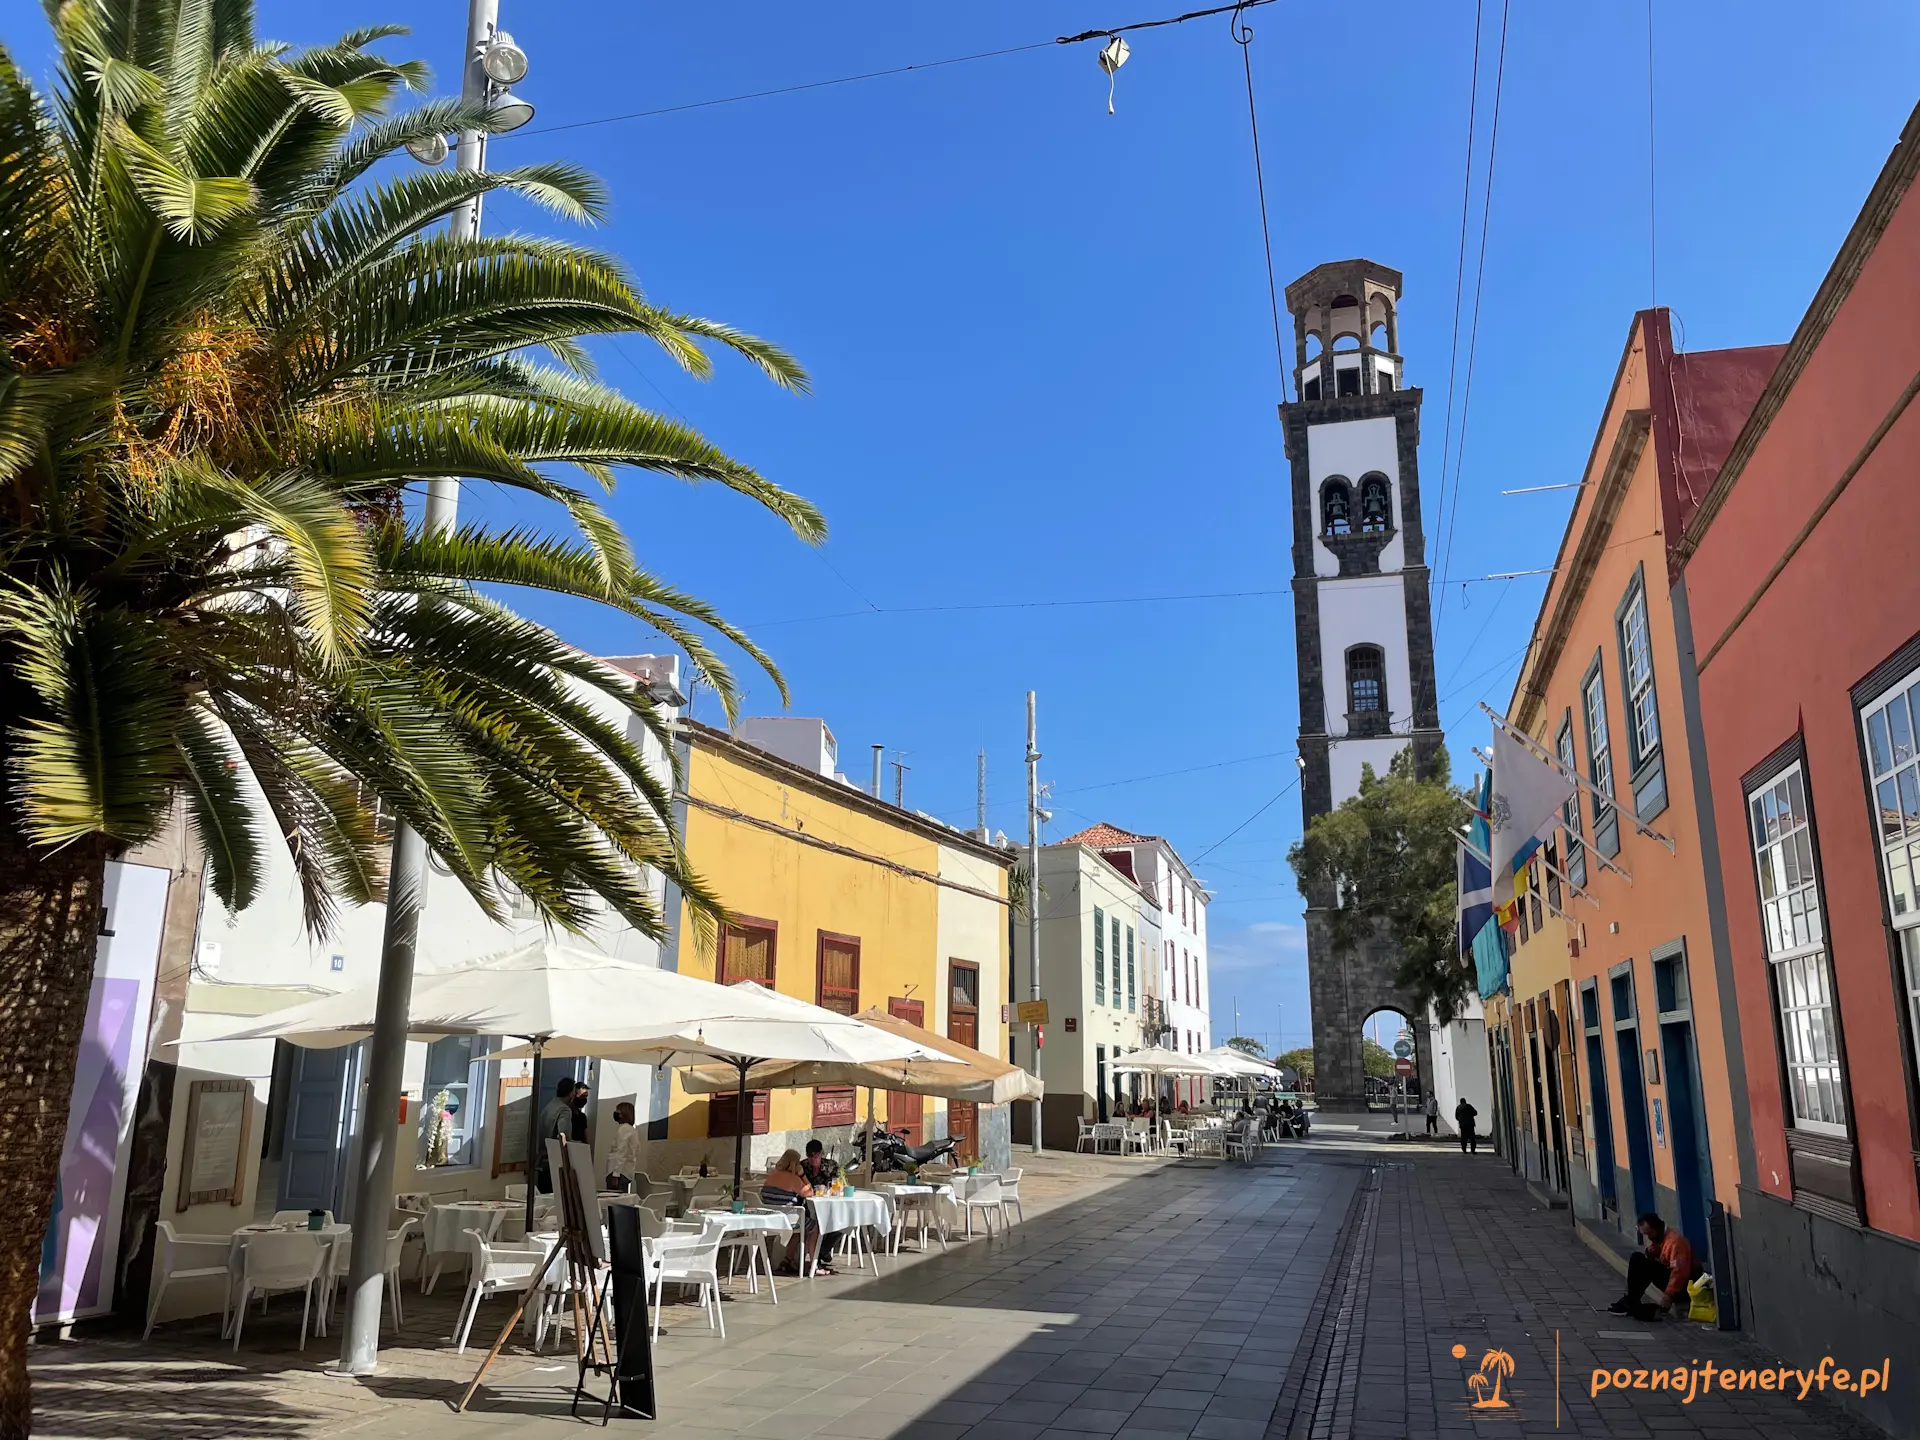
(1031, 1012)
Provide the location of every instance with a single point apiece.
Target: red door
(963, 1024)
(907, 1112)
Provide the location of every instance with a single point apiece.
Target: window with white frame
(1636, 656)
(1892, 726)
(1796, 948)
(1593, 700)
(1099, 956)
(1570, 812)
(453, 1102)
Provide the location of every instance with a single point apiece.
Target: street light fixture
(504, 61)
(430, 150)
(508, 110)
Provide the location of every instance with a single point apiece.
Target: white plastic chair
(714, 1190)
(985, 1196)
(297, 1217)
(1134, 1137)
(342, 1261)
(1010, 1194)
(753, 1245)
(689, 1258)
(496, 1270)
(921, 1212)
(1086, 1136)
(1239, 1141)
(279, 1263)
(188, 1257)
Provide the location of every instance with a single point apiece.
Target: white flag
(1528, 793)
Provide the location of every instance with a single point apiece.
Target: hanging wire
(1243, 37)
(1459, 283)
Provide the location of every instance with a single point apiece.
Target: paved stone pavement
(1316, 1295)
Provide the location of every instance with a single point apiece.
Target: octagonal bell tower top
(1346, 330)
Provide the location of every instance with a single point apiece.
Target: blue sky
(1043, 361)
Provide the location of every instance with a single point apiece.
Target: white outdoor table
(445, 1224)
(834, 1213)
(237, 1256)
(935, 1194)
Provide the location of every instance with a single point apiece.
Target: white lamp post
(492, 62)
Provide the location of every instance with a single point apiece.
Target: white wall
(1365, 610)
(1345, 757)
(1354, 448)
(1459, 1052)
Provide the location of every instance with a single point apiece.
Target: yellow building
(842, 900)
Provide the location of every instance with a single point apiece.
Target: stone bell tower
(1363, 627)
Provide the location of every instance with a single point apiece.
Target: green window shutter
(1116, 962)
(1099, 956)
(1130, 992)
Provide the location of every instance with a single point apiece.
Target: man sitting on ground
(1667, 1261)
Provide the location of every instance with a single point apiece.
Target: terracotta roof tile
(1098, 836)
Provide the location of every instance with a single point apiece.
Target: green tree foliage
(1247, 1045)
(1383, 864)
(233, 336)
(1375, 1058)
(1300, 1060)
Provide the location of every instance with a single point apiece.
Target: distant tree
(1377, 1059)
(1300, 1060)
(1386, 858)
(1247, 1045)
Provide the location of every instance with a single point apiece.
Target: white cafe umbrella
(1237, 1062)
(1158, 1060)
(564, 1001)
(765, 1028)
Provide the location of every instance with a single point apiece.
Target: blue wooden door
(313, 1171)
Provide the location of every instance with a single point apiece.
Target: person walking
(554, 1124)
(1433, 1113)
(1464, 1116)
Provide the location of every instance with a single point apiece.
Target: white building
(1182, 986)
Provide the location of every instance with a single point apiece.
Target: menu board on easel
(513, 1122)
(218, 1116)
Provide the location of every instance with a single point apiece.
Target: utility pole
(1033, 897)
(407, 870)
(980, 801)
(900, 769)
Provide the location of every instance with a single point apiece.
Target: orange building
(1619, 1046)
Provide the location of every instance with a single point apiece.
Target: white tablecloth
(833, 1213)
(237, 1251)
(778, 1221)
(446, 1222)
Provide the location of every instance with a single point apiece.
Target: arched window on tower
(1366, 682)
(1336, 508)
(1376, 505)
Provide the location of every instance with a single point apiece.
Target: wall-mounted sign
(1072, 1025)
(514, 1113)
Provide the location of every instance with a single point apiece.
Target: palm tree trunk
(49, 924)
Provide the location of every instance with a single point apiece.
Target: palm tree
(1498, 1364)
(229, 342)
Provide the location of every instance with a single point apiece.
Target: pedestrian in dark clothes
(1433, 1113)
(1464, 1116)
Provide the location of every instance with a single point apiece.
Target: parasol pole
(868, 1179)
(742, 1118)
(533, 1129)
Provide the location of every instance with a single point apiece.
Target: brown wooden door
(907, 1112)
(837, 989)
(963, 1024)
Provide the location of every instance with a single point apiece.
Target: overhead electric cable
(886, 73)
(1473, 335)
(1243, 37)
(1246, 822)
(1459, 279)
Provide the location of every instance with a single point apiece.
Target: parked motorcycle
(891, 1151)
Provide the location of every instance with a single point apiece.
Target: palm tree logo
(1495, 1366)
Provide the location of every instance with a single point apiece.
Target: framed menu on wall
(513, 1122)
(219, 1115)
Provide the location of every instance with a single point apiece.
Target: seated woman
(786, 1185)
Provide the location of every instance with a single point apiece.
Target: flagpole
(1554, 760)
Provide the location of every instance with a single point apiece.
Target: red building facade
(1800, 572)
